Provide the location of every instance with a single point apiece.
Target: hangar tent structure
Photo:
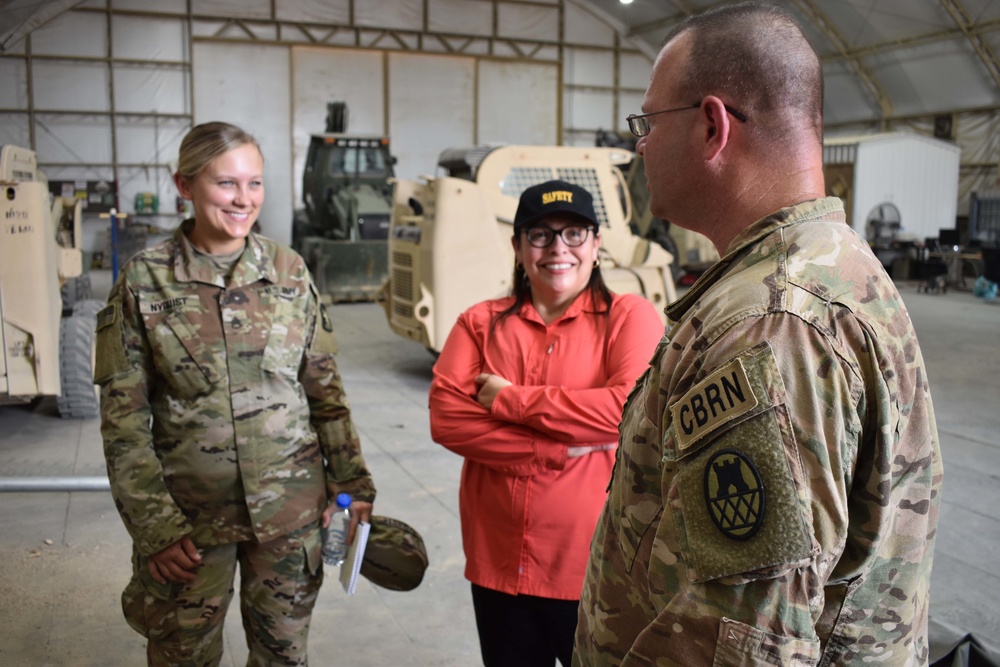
(103, 90)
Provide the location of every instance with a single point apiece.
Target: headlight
(409, 233)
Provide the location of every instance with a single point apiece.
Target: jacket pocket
(740, 645)
(181, 352)
(285, 346)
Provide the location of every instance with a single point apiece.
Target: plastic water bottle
(335, 540)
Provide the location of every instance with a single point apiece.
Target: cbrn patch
(734, 494)
(718, 399)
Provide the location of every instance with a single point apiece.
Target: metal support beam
(27, 16)
(979, 44)
(868, 82)
(915, 40)
(658, 24)
(908, 117)
(19, 484)
(683, 6)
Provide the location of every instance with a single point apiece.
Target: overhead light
(625, 2)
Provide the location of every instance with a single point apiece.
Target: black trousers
(524, 630)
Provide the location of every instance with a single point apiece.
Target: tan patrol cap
(395, 557)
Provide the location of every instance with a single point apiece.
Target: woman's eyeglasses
(542, 237)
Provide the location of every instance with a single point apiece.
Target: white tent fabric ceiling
(889, 64)
(882, 58)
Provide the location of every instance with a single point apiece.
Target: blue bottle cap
(343, 500)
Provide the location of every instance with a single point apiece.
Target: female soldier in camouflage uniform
(226, 428)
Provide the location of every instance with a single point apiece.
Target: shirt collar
(813, 209)
(253, 265)
(584, 303)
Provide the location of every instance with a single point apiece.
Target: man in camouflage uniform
(226, 430)
(776, 490)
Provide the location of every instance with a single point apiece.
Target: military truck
(47, 320)
(449, 238)
(347, 194)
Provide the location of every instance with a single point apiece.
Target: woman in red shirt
(529, 389)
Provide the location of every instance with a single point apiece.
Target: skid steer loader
(47, 320)
(449, 237)
(342, 231)
(693, 253)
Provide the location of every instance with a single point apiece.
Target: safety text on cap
(557, 195)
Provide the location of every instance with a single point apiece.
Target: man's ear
(717, 126)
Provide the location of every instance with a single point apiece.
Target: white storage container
(916, 174)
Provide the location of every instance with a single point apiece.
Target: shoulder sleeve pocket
(739, 475)
(110, 353)
(323, 342)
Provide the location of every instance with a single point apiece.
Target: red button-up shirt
(528, 512)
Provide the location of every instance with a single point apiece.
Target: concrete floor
(66, 555)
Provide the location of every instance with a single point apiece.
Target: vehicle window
(352, 160)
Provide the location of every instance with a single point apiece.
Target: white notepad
(350, 569)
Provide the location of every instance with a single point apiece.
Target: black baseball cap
(551, 197)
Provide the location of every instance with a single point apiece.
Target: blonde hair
(208, 141)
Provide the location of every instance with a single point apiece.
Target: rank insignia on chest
(734, 494)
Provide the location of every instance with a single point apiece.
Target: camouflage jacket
(776, 492)
(222, 411)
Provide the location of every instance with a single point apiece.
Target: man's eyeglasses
(640, 127)
(543, 237)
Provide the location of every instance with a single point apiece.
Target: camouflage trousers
(279, 582)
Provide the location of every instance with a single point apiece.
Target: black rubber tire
(668, 244)
(75, 290)
(659, 232)
(77, 332)
(300, 229)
